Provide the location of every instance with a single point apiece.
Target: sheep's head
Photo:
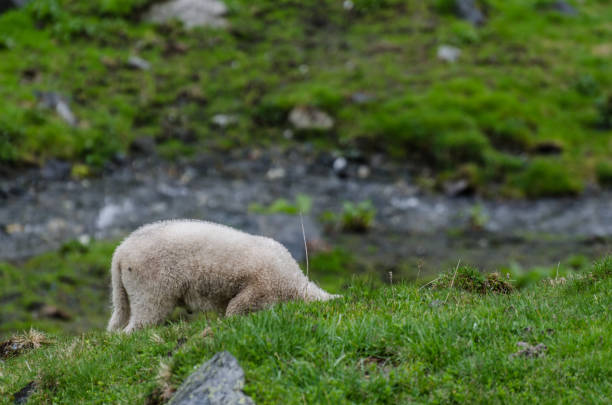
(313, 292)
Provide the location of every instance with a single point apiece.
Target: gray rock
(458, 188)
(361, 97)
(22, 396)
(113, 212)
(55, 170)
(363, 172)
(340, 166)
(224, 120)
(287, 229)
(55, 101)
(136, 62)
(219, 381)
(448, 53)
(276, 173)
(468, 10)
(528, 350)
(310, 118)
(192, 13)
(564, 7)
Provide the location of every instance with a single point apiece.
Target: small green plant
(601, 270)
(478, 217)
(302, 204)
(357, 217)
(469, 279)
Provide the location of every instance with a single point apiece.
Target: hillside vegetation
(525, 110)
(398, 344)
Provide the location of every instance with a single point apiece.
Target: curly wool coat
(203, 266)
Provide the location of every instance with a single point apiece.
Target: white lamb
(203, 266)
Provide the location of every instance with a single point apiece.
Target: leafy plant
(357, 217)
(478, 217)
(302, 204)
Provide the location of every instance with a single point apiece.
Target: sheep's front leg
(247, 300)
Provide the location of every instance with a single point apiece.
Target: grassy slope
(388, 345)
(529, 75)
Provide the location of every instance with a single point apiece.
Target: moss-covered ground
(398, 344)
(525, 110)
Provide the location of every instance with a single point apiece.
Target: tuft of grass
(599, 272)
(470, 279)
(354, 217)
(547, 178)
(357, 217)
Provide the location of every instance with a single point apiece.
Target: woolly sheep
(203, 266)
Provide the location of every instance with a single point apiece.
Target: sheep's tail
(121, 304)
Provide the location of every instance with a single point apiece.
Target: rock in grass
(468, 10)
(192, 13)
(22, 396)
(57, 102)
(528, 350)
(218, 381)
(310, 118)
(136, 62)
(564, 7)
(224, 120)
(448, 53)
(20, 344)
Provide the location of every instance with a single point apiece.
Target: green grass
(75, 280)
(392, 345)
(526, 77)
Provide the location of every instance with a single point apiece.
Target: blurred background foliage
(523, 109)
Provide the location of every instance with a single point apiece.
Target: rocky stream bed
(40, 209)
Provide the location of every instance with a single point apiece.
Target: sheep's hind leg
(247, 300)
(148, 313)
